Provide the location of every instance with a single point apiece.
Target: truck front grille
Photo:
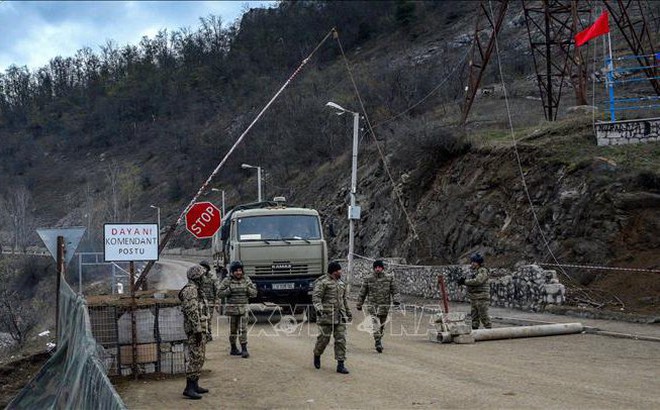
(281, 269)
(284, 268)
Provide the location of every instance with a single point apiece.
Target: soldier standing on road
(210, 286)
(332, 314)
(195, 324)
(479, 291)
(237, 289)
(380, 290)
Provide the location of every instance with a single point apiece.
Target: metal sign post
(56, 241)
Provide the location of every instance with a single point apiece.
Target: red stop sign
(203, 220)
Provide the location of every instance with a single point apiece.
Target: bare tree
(130, 188)
(112, 174)
(15, 205)
(17, 316)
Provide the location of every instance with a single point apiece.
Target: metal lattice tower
(578, 68)
(490, 25)
(629, 17)
(550, 26)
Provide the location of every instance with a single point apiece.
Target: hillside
(96, 139)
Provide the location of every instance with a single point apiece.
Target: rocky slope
(594, 206)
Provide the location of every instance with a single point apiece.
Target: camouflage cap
(195, 272)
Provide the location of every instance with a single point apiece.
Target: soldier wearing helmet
(210, 286)
(195, 324)
(237, 289)
(379, 290)
(478, 290)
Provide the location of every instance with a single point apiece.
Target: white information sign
(130, 242)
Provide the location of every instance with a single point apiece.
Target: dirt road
(570, 371)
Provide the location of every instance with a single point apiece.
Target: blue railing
(622, 74)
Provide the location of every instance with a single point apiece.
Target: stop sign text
(203, 219)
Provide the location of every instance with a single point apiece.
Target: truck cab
(282, 249)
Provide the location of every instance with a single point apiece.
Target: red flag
(600, 27)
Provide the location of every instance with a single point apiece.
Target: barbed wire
(596, 267)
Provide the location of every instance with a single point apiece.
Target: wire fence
(155, 345)
(75, 376)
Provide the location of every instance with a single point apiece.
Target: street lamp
(158, 213)
(353, 211)
(223, 199)
(247, 166)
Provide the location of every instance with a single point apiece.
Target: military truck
(282, 250)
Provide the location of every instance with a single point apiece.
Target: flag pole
(610, 77)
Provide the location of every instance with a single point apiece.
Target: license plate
(281, 286)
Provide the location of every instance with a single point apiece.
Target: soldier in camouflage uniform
(210, 286)
(195, 324)
(332, 314)
(380, 290)
(479, 291)
(237, 289)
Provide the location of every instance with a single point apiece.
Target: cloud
(34, 32)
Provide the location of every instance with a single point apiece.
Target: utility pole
(486, 23)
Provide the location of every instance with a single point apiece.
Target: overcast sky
(33, 32)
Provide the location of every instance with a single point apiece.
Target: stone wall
(527, 287)
(628, 132)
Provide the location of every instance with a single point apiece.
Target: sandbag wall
(161, 341)
(528, 287)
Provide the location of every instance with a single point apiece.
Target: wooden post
(443, 290)
(61, 250)
(131, 270)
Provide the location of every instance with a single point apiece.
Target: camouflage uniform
(479, 291)
(329, 299)
(210, 285)
(237, 293)
(195, 321)
(380, 289)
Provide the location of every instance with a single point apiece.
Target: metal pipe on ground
(527, 331)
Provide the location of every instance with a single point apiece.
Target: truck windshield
(274, 227)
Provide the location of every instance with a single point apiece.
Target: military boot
(190, 392)
(379, 346)
(317, 361)
(234, 350)
(340, 367)
(198, 388)
(244, 351)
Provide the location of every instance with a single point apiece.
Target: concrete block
(463, 339)
(455, 317)
(459, 329)
(170, 324)
(432, 334)
(145, 322)
(146, 353)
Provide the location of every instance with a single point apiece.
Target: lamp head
(338, 107)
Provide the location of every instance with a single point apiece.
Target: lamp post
(157, 208)
(223, 199)
(353, 210)
(247, 166)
